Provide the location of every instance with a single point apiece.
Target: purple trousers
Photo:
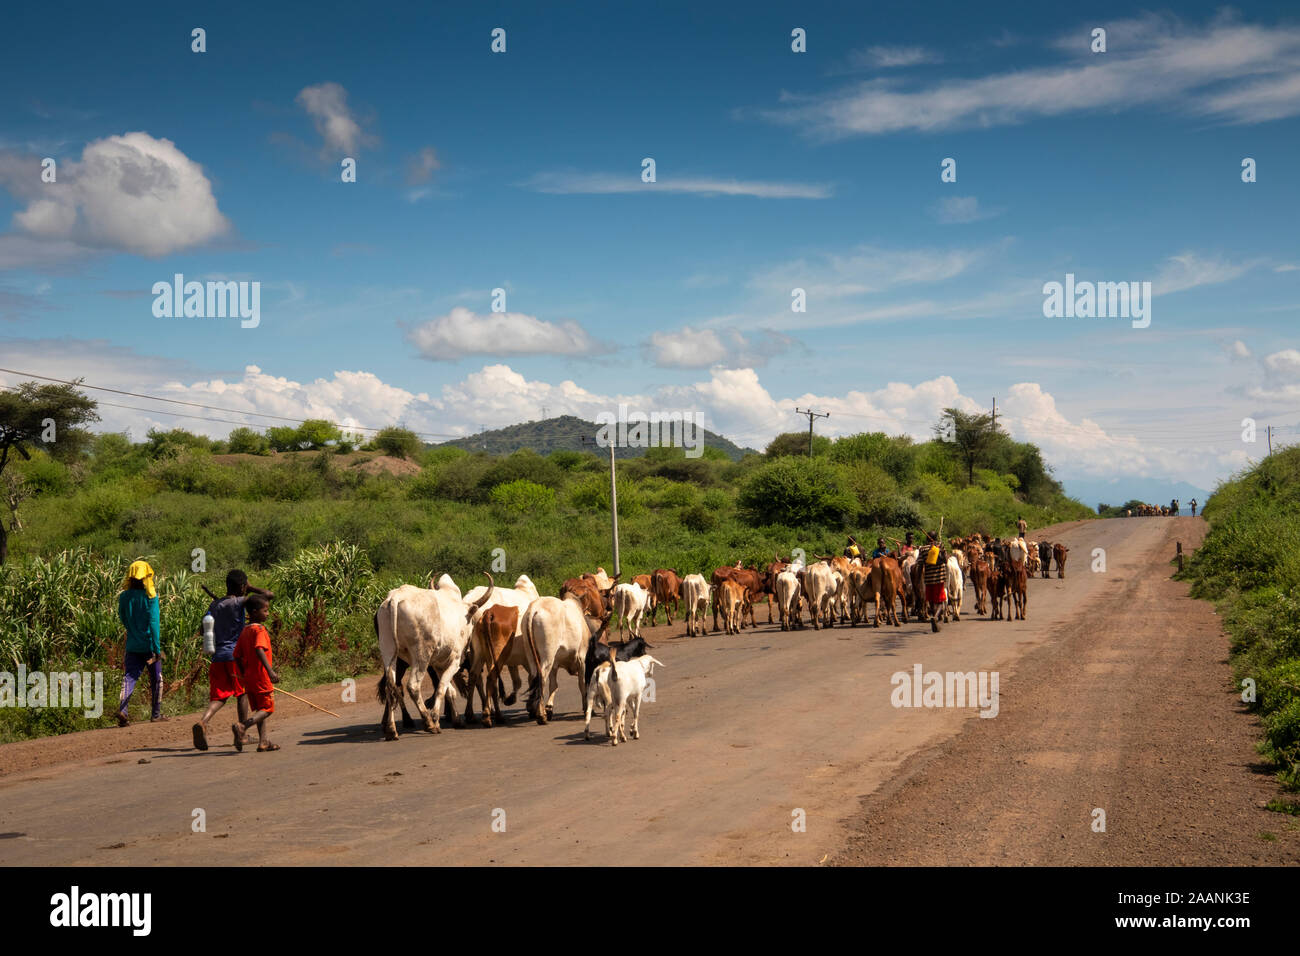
(135, 664)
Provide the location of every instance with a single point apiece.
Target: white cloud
(1227, 71)
(339, 129)
(705, 347)
(733, 402)
(955, 209)
(1284, 364)
(864, 270)
(1238, 350)
(462, 332)
(1189, 270)
(130, 193)
(607, 183)
(420, 167)
(887, 57)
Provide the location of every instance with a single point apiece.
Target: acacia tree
(970, 437)
(44, 415)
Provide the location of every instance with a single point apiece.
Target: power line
(214, 408)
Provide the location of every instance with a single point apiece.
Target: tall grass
(1249, 563)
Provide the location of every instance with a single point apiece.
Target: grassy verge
(1249, 564)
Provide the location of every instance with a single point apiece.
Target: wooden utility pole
(1270, 439)
(811, 415)
(995, 413)
(613, 498)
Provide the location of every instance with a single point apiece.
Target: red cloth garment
(259, 700)
(254, 674)
(223, 680)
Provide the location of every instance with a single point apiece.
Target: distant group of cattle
(466, 642)
(1158, 511)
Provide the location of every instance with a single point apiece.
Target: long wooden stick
(281, 690)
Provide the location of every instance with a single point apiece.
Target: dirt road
(748, 735)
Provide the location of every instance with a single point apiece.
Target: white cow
(787, 599)
(955, 588)
(819, 588)
(424, 627)
(620, 685)
(630, 602)
(556, 634)
(695, 594)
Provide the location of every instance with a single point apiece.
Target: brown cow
(886, 586)
(493, 634)
(731, 597)
(1018, 581)
(996, 584)
(1059, 551)
(979, 579)
(586, 589)
(753, 583)
(665, 586)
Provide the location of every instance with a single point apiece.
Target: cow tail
(392, 692)
(535, 681)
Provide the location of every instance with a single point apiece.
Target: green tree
(398, 442)
(282, 438)
(316, 433)
(47, 415)
(245, 441)
(970, 438)
(796, 443)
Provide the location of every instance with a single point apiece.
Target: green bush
(245, 441)
(271, 542)
(699, 519)
(796, 492)
(397, 442)
(103, 506)
(523, 497)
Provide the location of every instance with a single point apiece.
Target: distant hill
(1116, 491)
(565, 433)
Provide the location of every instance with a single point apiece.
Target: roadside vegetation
(330, 527)
(1249, 564)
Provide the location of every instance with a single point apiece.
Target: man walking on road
(1023, 526)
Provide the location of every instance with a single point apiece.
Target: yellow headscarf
(140, 571)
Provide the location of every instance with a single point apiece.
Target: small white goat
(619, 686)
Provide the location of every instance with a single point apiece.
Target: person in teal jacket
(137, 607)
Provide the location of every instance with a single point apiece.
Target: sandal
(239, 737)
(200, 737)
(268, 748)
(122, 720)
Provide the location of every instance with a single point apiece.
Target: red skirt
(936, 593)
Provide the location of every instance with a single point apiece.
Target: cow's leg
(476, 683)
(550, 696)
(392, 696)
(537, 693)
(413, 681)
(407, 722)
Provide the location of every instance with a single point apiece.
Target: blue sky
(775, 170)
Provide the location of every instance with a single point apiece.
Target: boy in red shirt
(253, 660)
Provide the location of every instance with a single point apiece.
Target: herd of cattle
(1158, 511)
(465, 642)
